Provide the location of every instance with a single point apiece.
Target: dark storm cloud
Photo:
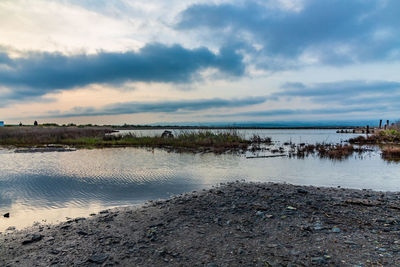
(4, 59)
(344, 92)
(161, 107)
(334, 31)
(37, 74)
(340, 88)
(320, 111)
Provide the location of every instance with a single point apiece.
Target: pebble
(50, 239)
(33, 238)
(327, 257)
(318, 226)
(260, 214)
(336, 230)
(302, 191)
(318, 260)
(54, 251)
(98, 258)
(82, 233)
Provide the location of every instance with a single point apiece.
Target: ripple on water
(57, 185)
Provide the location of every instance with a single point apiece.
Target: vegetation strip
(202, 141)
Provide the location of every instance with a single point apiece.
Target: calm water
(48, 187)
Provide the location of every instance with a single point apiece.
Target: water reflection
(52, 186)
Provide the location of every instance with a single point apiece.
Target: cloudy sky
(125, 61)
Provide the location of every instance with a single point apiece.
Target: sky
(199, 61)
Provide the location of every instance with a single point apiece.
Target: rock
(318, 226)
(82, 233)
(7, 215)
(160, 253)
(31, 239)
(54, 251)
(218, 221)
(167, 134)
(349, 242)
(51, 238)
(318, 260)
(79, 219)
(260, 214)
(11, 228)
(98, 258)
(302, 191)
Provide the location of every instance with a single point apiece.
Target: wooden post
(380, 124)
(367, 129)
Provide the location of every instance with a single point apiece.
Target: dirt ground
(235, 224)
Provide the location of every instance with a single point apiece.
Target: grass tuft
(391, 153)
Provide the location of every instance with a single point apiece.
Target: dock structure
(368, 129)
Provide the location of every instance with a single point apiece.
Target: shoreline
(118, 128)
(240, 223)
(160, 127)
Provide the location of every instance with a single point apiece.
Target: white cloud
(51, 26)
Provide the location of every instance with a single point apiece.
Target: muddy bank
(234, 224)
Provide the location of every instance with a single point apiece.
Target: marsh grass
(195, 141)
(36, 136)
(391, 153)
(93, 137)
(331, 151)
(382, 137)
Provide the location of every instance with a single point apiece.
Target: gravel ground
(236, 224)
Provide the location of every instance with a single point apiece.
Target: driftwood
(270, 156)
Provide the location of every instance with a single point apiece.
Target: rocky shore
(236, 224)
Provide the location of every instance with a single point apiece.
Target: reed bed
(36, 136)
(94, 137)
(391, 153)
(382, 137)
(196, 141)
(331, 151)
